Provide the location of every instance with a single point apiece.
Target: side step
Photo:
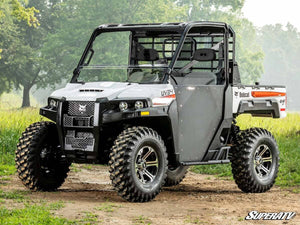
(219, 156)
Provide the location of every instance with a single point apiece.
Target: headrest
(204, 54)
(147, 54)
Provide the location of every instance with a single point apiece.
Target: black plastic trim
(48, 113)
(108, 117)
(260, 108)
(206, 163)
(59, 122)
(78, 156)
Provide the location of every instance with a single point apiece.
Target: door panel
(199, 114)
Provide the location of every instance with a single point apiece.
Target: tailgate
(260, 100)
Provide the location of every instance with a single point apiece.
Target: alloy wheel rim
(146, 165)
(263, 161)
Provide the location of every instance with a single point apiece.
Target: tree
(12, 11)
(25, 64)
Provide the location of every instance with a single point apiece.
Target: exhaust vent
(90, 90)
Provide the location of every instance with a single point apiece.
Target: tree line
(41, 41)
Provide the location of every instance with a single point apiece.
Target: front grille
(73, 121)
(79, 141)
(81, 108)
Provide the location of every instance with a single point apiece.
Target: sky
(262, 12)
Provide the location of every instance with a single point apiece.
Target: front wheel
(41, 165)
(138, 164)
(255, 160)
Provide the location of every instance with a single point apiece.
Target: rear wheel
(41, 165)
(138, 164)
(255, 160)
(175, 175)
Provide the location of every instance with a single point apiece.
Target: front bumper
(79, 133)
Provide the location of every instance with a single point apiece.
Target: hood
(110, 90)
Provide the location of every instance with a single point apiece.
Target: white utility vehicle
(151, 100)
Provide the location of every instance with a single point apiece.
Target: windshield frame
(173, 28)
(181, 29)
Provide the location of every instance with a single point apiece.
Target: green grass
(56, 205)
(219, 170)
(12, 124)
(87, 166)
(28, 213)
(141, 220)
(89, 218)
(287, 134)
(31, 215)
(74, 168)
(108, 207)
(16, 195)
(194, 220)
(6, 170)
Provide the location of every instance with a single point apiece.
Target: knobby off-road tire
(175, 175)
(138, 164)
(40, 163)
(255, 160)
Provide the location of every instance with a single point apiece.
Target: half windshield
(122, 57)
(132, 74)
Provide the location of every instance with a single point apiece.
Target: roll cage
(179, 32)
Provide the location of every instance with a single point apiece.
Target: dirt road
(199, 199)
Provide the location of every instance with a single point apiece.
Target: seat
(198, 77)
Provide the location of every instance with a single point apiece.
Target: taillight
(264, 94)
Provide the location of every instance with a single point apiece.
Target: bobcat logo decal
(82, 108)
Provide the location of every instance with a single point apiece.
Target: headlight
(123, 106)
(53, 103)
(139, 105)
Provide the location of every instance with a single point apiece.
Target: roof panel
(158, 25)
